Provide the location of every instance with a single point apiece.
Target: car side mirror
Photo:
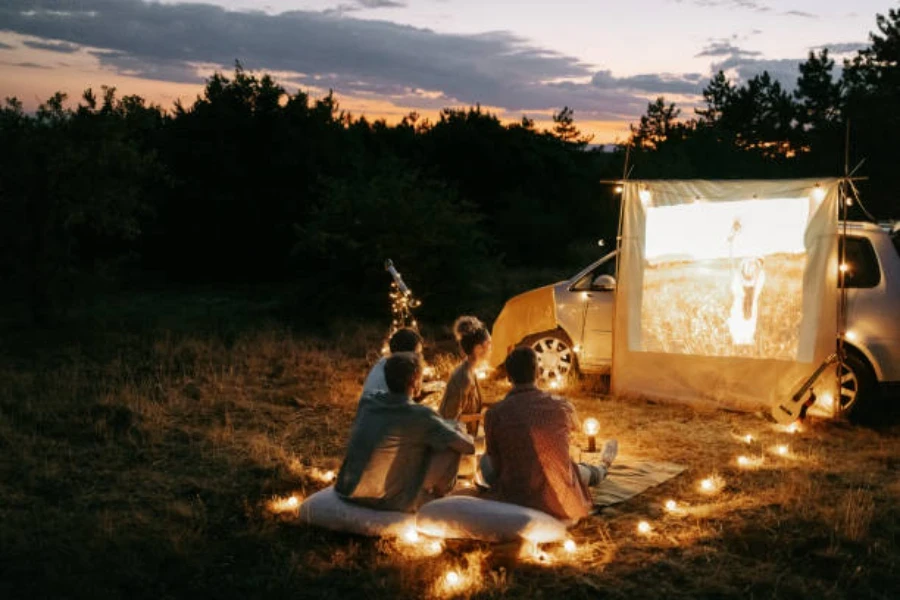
(603, 283)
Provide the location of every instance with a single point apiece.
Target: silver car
(581, 339)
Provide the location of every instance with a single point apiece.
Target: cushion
(464, 517)
(327, 510)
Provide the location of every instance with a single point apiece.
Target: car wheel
(859, 389)
(556, 356)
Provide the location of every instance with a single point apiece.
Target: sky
(386, 58)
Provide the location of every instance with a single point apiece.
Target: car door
(598, 294)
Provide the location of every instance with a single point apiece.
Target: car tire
(859, 398)
(556, 355)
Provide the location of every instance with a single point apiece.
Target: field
(700, 294)
(142, 453)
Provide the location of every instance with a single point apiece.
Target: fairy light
(708, 485)
(793, 427)
(591, 427)
(782, 449)
(410, 535)
(671, 505)
(435, 547)
(644, 528)
(748, 438)
(452, 578)
(292, 502)
(851, 335)
(569, 546)
(743, 461)
(481, 374)
(645, 197)
(328, 477)
(844, 268)
(818, 193)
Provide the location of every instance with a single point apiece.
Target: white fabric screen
(727, 290)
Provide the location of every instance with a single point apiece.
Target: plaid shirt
(527, 436)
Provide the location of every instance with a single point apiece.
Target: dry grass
(686, 308)
(150, 467)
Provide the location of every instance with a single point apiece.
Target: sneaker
(610, 450)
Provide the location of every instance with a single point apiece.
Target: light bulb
(708, 485)
(328, 476)
(591, 426)
(782, 450)
(644, 527)
(743, 461)
(435, 547)
(293, 502)
(569, 546)
(748, 438)
(411, 535)
(818, 193)
(671, 505)
(452, 578)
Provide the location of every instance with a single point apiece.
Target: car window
(862, 270)
(606, 268)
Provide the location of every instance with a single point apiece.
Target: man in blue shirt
(401, 454)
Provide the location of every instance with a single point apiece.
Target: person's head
(473, 337)
(405, 340)
(522, 365)
(403, 373)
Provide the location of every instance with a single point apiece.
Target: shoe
(610, 450)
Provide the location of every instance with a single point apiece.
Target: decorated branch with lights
(402, 301)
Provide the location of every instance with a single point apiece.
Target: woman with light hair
(462, 396)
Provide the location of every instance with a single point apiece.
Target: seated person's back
(400, 454)
(527, 454)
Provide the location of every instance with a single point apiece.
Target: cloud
(313, 49)
(799, 13)
(731, 4)
(52, 46)
(380, 3)
(25, 65)
(658, 83)
(785, 70)
(725, 48)
(842, 47)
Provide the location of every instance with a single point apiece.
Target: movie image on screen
(724, 278)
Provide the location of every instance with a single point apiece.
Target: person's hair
(470, 332)
(401, 370)
(522, 365)
(404, 340)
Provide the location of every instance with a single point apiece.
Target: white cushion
(465, 517)
(326, 509)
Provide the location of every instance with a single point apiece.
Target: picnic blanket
(629, 477)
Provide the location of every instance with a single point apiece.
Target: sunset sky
(385, 58)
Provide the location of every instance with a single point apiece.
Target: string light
(452, 578)
(743, 461)
(410, 535)
(293, 502)
(435, 547)
(782, 449)
(671, 505)
(644, 528)
(328, 477)
(748, 438)
(569, 546)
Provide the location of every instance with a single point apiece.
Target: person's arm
(454, 397)
(444, 434)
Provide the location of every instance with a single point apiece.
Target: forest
(252, 185)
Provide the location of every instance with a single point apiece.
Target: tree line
(252, 184)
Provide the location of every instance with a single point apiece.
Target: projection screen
(726, 289)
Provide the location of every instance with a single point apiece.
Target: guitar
(795, 409)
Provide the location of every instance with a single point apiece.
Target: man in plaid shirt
(527, 456)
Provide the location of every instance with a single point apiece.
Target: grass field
(686, 308)
(141, 455)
